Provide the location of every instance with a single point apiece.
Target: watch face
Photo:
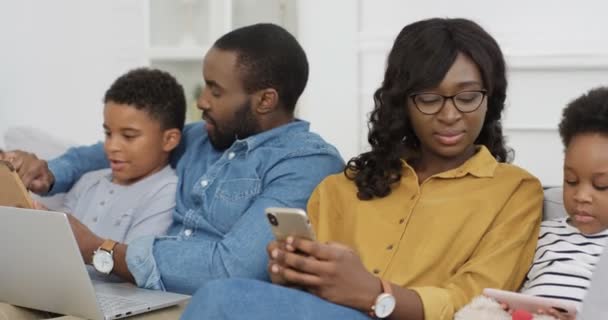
(103, 262)
(385, 304)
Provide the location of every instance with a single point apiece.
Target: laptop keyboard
(112, 304)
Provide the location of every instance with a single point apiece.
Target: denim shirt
(219, 228)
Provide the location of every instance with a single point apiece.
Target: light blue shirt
(219, 228)
(123, 213)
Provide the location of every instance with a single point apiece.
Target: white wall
(555, 51)
(59, 57)
(330, 101)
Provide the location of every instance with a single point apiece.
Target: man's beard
(242, 126)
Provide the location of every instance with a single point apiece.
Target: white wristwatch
(103, 257)
(385, 302)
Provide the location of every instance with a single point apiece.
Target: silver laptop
(41, 268)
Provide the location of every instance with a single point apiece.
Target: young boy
(568, 248)
(143, 117)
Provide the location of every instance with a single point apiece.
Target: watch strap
(108, 245)
(386, 288)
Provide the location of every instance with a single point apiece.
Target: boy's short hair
(585, 114)
(154, 91)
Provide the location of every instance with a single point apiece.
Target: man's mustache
(208, 118)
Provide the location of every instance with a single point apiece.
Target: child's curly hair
(585, 114)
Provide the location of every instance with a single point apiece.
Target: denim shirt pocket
(232, 198)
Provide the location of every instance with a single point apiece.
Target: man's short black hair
(268, 56)
(154, 91)
(586, 114)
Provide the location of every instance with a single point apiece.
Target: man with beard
(248, 154)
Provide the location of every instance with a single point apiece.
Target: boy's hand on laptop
(34, 172)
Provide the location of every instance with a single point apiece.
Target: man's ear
(171, 138)
(267, 101)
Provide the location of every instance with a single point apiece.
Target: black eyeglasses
(464, 101)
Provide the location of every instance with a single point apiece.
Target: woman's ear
(171, 138)
(267, 100)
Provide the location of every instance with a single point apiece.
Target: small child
(568, 248)
(144, 115)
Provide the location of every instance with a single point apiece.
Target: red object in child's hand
(521, 315)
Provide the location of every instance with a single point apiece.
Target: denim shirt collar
(254, 141)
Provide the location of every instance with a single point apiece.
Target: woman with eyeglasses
(426, 219)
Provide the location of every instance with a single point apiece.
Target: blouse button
(376, 271)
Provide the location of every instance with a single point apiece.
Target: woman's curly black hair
(422, 54)
(585, 114)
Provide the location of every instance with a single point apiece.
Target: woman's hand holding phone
(273, 264)
(330, 271)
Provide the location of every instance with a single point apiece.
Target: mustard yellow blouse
(448, 238)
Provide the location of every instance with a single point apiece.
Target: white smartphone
(530, 303)
(286, 222)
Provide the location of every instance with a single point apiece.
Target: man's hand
(34, 172)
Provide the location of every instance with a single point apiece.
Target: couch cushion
(553, 205)
(43, 144)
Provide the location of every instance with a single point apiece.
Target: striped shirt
(564, 261)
